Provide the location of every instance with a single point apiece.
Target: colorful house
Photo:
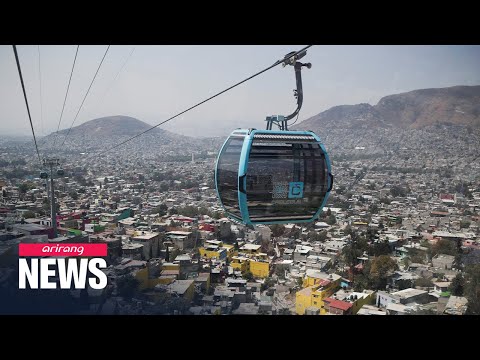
(348, 302)
(216, 249)
(314, 295)
(258, 265)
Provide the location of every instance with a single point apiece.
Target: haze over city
(158, 81)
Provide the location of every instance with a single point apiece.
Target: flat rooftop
(406, 293)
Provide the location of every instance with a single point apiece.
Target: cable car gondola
(274, 176)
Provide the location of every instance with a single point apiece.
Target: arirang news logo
(72, 266)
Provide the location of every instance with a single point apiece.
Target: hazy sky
(158, 81)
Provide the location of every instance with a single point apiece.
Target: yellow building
(216, 249)
(313, 295)
(170, 266)
(315, 277)
(303, 300)
(148, 282)
(259, 268)
(239, 263)
(258, 265)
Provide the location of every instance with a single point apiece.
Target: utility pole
(51, 162)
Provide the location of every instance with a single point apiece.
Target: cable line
(66, 94)
(26, 101)
(93, 80)
(40, 78)
(116, 76)
(278, 62)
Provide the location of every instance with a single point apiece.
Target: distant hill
(106, 132)
(457, 105)
(111, 126)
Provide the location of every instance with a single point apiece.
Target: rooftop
(456, 305)
(145, 235)
(339, 304)
(252, 247)
(406, 293)
(180, 286)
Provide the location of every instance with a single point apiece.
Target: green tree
(248, 276)
(423, 282)
(267, 283)
(381, 269)
(73, 195)
(277, 230)
(331, 220)
(280, 272)
(457, 285)
(347, 230)
(321, 236)
(472, 289)
(380, 248)
(351, 252)
(28, 215)
(161, 209)
(444, 246)
(23, 188)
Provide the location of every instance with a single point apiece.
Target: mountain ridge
(113, 125)
(416, 109)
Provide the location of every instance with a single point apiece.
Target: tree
(267, 283)
(423, 282)
(161, 209)
(444, 246)
(382, 267)
(73, 195)
(280, 272)
(351, 252)
(322, 236)
(28, 215)
(380, 248)
(248, 276)
(464, 224)
(457, 285)
(23, 188)
(472, 289)
(277, 230)
(331, 220)
(347, 230)
(127, 286)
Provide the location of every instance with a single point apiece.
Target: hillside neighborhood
(399, 234)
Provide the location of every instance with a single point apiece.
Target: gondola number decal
(295, 190)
